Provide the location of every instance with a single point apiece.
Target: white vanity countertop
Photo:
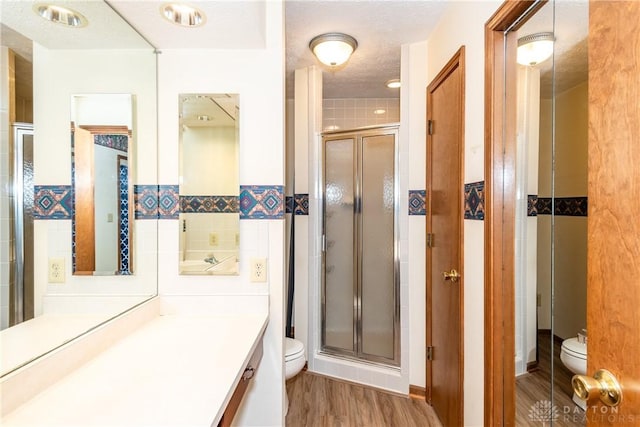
(175, 370)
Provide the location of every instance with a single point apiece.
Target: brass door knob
(452, 275)
(603, 385)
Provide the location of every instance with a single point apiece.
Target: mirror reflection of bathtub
(216, 263)
(209, 184)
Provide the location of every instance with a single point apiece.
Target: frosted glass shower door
(339, 226)
(378, 246)
(360, 313)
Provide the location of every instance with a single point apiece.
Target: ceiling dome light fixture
(393, 83)
(535, 48)
(181, 14)
(60, 15)
(333, 49)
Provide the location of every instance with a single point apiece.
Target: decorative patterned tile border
(168, 202)
(417, 202)
(52, 202)
(544, 205)
(532, 205)
(209, 204)
(117, 142)
(571, 206)
(261, 201)
(146, 201)
(163, 202)
(474, 200)
(564, 206)
(123, 228)
(289, 204)
(301, 204)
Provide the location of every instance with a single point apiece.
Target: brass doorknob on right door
(452, 275)
(603, 385)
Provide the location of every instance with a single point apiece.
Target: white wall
(5, 197)
(463, 24)
(88, 72)
(258, 77)
(413, 109)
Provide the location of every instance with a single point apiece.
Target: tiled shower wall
(350, 113)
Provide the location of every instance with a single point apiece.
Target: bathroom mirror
(101, 148)
(550, 257)
(209, 184)
(54, 65)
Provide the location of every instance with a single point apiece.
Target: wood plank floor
(318, 401)
(536, 387)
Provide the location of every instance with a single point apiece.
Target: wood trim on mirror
(499, 112)
(106, 130)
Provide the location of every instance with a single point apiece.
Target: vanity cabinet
(241, 388)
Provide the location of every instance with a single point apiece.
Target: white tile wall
(351, 113)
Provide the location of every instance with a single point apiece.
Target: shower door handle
(452, 275)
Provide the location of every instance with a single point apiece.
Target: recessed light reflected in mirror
(393, 83)
(60, 15)
(181, 14)
(379, 111)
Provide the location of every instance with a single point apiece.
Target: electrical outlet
(258, 269)
(56, 270)
(213, 239)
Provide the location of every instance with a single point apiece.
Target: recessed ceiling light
(60, 15)
(181, 14)
(379, 111)
(393, 83)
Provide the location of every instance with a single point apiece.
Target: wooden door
(445, 114)
(83, 149)
(613, 242)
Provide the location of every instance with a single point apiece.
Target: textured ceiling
(569, 64)
(238, 24)
(380, 26)
(105, 30)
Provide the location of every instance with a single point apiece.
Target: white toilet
(574, 356)
(294, 361)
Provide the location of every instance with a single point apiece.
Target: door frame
(457, 61)
(499, 222)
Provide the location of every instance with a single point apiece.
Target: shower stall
(21, 291)
(360, 311)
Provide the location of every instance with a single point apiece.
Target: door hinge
(430, 352)
(429, 240)
(430, 127)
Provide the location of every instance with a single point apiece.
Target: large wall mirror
(209, 184)
(70, 257)
(550, 175)
(101, 146)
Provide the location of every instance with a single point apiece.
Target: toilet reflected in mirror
(209, 184)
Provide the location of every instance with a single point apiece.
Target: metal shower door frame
(357, 352)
